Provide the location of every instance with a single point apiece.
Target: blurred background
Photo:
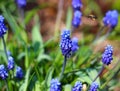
(33, 38)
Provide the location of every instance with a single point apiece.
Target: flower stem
(100, 32)
(112, 74)
(6, 85)
(63, 68)
(3, 40)
(99, 73)
(108, 33)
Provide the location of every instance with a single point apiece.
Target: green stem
(74, 71)
(101, 39)
(6, 85)
(63, 68)
(99, 73)
(21, 15)
(100, 32)
(3, 40)
(110, 77)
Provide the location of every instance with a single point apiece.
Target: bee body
(92, 17)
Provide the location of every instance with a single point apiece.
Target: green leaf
(92, 74)
(49, 76)
(43, 56)
(14, 26)
(85, 79)
(25, 84)
(37, 86)
(36, 36)
(67, 87)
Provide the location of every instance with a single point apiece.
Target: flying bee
(92, 17)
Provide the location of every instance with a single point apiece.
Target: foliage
(42, 60)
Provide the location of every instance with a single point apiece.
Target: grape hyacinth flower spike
(1, 18)
(106, 58)
(107, 55)
(111, 18)
(55, 85)
(67, 46)
(19, 72)
(10, 65)
(76, 19)
(3, 28)
(77, 86)
(3, 72)
(66, 43)
(94, 86)
(76, 4)
(75, 44)
(21, 3)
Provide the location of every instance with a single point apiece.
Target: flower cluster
(76, 4)
(10, 66)
(77, 86)
(94, 86)
(55, 85)
(19, 72)
(75, 44)
(107, 55)
(3, 72)
(21, 3)
(67, 45)
(3, 28)
(111, 18)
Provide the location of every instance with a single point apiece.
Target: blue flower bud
(111, 18)
(21, 3)
(8, 53)
(55, 85)
(3, 72)
(76, 18)
(10, 65)
(77, 86)
(94, 86)
(66, 43)
(19, 72)
(1, 18)
(76, 4)
(75, 44)
(3, 28)
(107, 55)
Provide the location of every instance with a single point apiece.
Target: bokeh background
(33, 39)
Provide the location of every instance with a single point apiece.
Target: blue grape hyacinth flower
(66, 43)
(107, 55)
(3, 72)
(77, 86)
(76, 4)
(19, 72)
(3, 28)
(94, 86)
(10, 65)
(8, 53)
(1, 18)
(21, 3)
(77, 18)
(111, 18)
(55, 85)
(75, 44)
